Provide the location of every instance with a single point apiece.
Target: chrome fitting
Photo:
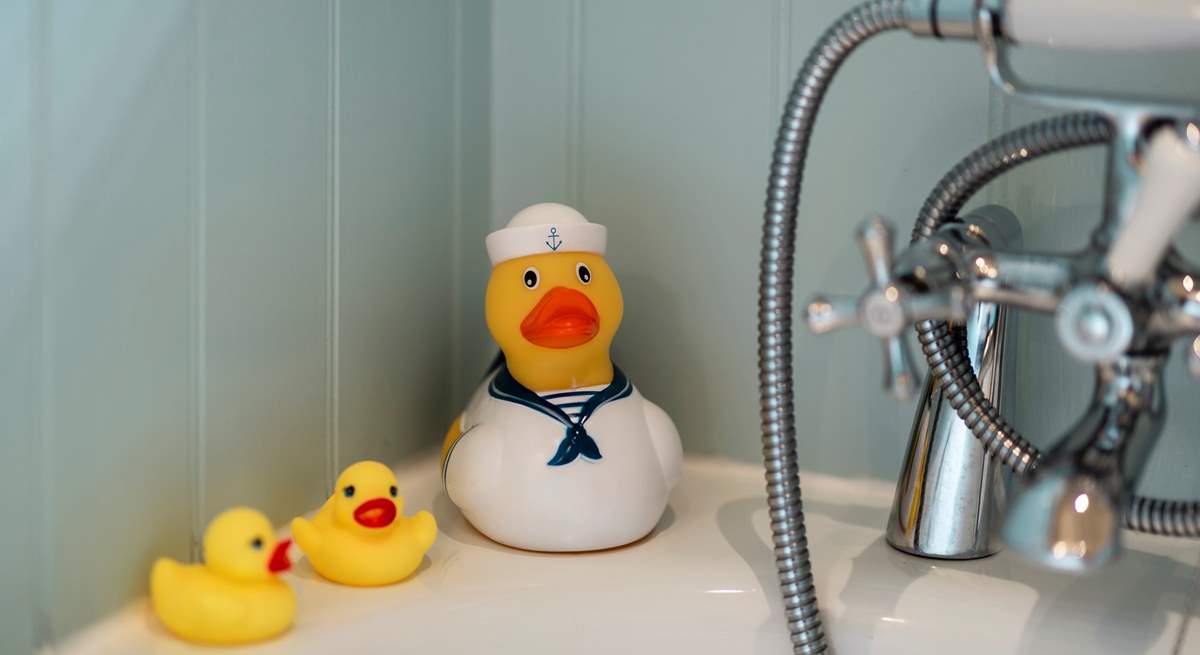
(945, 19)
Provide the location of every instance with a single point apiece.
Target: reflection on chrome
(1081, 503)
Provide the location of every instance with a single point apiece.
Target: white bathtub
(704, 582)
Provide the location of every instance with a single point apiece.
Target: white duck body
(499, 473)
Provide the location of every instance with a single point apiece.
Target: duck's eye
(584, 273)
(394, 491)
(257, 543)
(348, 491)
(531, 278)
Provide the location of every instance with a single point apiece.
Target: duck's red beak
(563, 318)
(375, 513)
(279, 557)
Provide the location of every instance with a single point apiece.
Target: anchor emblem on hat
(554, 241)
(545, 229)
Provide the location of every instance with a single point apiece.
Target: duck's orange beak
(375, 513)
(279, 561)
(563, 318)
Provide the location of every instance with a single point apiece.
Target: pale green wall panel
(396, 76)
(530, 118)
(18, 334)
(473, 347)
(267, 155)
(115, 259)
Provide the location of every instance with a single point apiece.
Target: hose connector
(945, 19)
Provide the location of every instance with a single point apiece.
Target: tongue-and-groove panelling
(226, 231)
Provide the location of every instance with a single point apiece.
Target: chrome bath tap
(951, 494)
(1119, 304)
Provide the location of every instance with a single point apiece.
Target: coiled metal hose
(775, 312)
(946, 354)
(1173, 518)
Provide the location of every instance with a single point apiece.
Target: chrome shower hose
(775, 311)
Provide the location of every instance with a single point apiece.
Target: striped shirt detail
(571, 402)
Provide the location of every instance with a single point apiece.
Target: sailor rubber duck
(557, 450)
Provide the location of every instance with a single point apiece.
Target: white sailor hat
(545, 228)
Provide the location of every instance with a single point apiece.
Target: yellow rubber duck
(358, 537)
(557, 450)
(234, 597)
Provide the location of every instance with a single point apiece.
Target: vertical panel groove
(998, 122)
(333, 253)
(779, 61)
(574, 103)
(43, 551)
(198, 419)
(457, 280)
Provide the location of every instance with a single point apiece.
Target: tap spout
(1069, 513)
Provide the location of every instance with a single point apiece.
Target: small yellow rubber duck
(358, 537)
(234, 597)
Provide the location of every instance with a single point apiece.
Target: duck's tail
(307, 536)
(425, 529)
(162, 574)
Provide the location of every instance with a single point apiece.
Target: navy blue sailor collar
(576, 441)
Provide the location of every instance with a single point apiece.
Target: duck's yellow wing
(221, 609)
(191, 602)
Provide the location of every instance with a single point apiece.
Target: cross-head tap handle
(876, 239)
(886, 308)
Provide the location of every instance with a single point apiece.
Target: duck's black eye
(348, 491)
(257, 543)
(585, 274)
(531, 278)
(394, 491)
